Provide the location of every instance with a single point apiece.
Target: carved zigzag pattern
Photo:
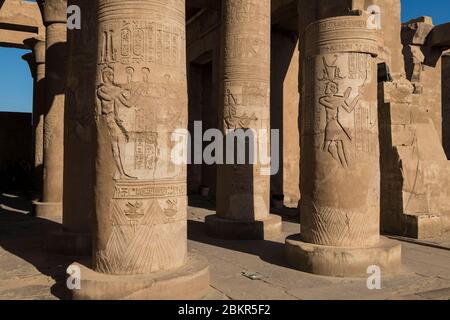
(338, 227)
(138, 247)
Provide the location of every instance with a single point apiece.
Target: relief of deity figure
(113, 96)
(336, 135)
(232, 120)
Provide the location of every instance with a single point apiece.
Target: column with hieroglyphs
(140, 230)
(55, 18)
(243, 190)
(37, 45)
(79, 140)
(340, 170)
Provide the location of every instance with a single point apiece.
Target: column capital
(37, 44)
(29, 58)
(53, 11)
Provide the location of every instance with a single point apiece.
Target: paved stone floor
(27, 272)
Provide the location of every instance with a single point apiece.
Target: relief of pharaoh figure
(336, 135)
(113, 96)
(232, 120)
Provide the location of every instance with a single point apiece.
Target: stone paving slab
(28, 273)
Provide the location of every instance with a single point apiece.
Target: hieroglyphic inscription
(143, 41)
(340, 135)
(150, 190)
(245, 100)
(141, 101)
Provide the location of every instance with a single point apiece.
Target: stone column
(37, 46)
(140, 230)
(78, 204)
(340, 171)
(446, 102)
(243, 191)
(55, 17)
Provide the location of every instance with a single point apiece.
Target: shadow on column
(283, 46)
(201, 177)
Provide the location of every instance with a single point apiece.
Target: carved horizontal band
(150, 190)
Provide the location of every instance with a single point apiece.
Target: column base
(343, 262)
(48, 210)
(217, 227)
(69, 244)
(190, 282)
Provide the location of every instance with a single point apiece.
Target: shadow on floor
(24, 236)
(287, 214)
(269, 251)
(208, 203)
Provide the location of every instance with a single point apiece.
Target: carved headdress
(107, 70)
(331, 73)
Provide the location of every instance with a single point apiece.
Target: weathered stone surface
(343, 262)
(446, 102)
(27, 272)
(140, 192)
(243, 190)
(190, 282)
(340, 177)
(423, 69)
(79, 138)
(19, 20)
(38, 71)
(56, 37)
(413, 162)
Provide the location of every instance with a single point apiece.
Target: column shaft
(55, 18)
(38, 115)
(340, 170)
(54, 116)
(243, 190)
(79, 173)
(142, 99)
(79, 140)
(140, 229)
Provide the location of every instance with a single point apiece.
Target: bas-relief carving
(341, 119)
(231, 117)
(81, 68)
(245, 101)
(141, 100)
(340, 184)
(145, 238)
(237, 12)
(339, 226)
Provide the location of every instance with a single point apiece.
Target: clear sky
(16, 82)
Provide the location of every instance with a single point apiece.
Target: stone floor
(239, 270)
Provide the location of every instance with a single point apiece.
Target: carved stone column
(37, 58)
(340, 170)
(79, 139)
(446, 102)
(140, 230)
(55, 17)
(243, 190)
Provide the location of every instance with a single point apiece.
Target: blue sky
(16, 82)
